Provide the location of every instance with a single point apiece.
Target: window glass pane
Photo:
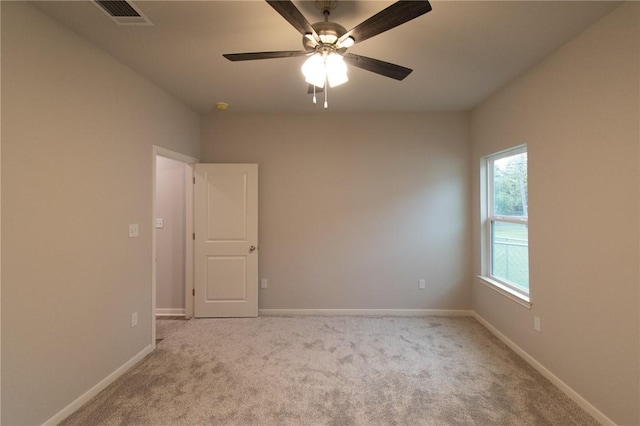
(510, 186)
(510, 253)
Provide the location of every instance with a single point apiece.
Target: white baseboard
(575, 396)
(71, 408)
(170, 312)
(367, 312)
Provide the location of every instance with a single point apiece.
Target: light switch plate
(159, 222)
(133, 230)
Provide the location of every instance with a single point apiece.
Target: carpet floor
(164, 327)
(331, 371)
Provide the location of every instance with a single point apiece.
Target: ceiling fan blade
(291, 13)
(379, 67)
(394, 15)
(264, 55)
(318, 89)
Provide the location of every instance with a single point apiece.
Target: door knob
(252, 249)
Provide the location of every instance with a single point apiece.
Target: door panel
(226, 240)
(226, 278)
(227, 204)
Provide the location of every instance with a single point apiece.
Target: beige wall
(355, 208)
(578, 112)
(170, 240)
(77, 135)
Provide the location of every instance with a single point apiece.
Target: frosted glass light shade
(347, 42)
(314, 70)
(336, 70)
(328, 38)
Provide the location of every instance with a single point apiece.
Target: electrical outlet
(421, 284)
(133, 230)
(263, 283)
(134, 319)
(159, 222)
(536, 324)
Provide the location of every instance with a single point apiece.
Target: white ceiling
(461, 52)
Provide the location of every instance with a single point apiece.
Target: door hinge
(193, 291)
(194, 180)
(194, 236)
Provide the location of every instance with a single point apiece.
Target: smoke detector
(222, 106)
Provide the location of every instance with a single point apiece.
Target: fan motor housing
(326, 30)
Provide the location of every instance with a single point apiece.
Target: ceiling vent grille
(122, 12)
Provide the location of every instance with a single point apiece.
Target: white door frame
(188, 283)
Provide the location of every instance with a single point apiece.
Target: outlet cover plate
(536, 324)
(133, 230)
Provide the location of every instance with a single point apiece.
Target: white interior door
(226, 240)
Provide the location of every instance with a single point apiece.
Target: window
(506, 229)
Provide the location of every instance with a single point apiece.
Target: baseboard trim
(575, 396)
(367, 312)
(71, 408)
(170, 312)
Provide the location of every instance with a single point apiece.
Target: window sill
(505, 291)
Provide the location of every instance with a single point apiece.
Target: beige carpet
(331, 371)
(164, 327)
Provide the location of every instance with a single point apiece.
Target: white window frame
(489, 217)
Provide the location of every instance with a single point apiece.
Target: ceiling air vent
(122, 12)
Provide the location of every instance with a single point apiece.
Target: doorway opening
(172, 223)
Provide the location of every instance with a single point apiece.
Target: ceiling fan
(326, 43)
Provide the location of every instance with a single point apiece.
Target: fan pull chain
(326, 94)
(314, 95)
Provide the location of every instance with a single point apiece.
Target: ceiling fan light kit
(326, 43)
(322, 67)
